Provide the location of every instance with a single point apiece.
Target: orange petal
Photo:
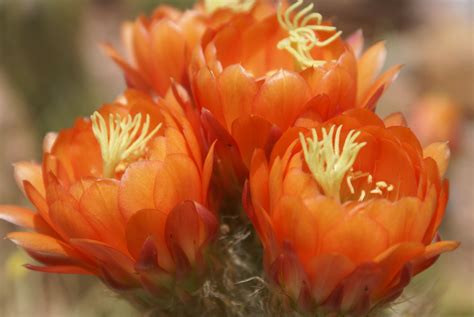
(99, 206)
(284, 143)
(438, 214)
(295, 223)
(140, 40)
(355, 291)
(188, 227)
(356, 42)
(44, 248)
(64, 213)
(19, 216)
(369, 66)
(31, 172)
(133, 77)
(281, 98)
(250, 133)
(359, 238)
(317, 109)
(392, 261)
(136, 188)
(334, 81)
(166, 44)
(237, 90)
(380, 85)
(149, 223)
(275, 182)
(440, 247)
(325, 274)
(405, 220)
(230, 161)
(207, 173)
(439, 152)
(69, 222)
(207, 94)
(403, 178)
(48, 141)
(395, 119)
(431, 254)
(37, 200)
(26, 218)
(287, 272)
(177, 180)
(117, 268)
(259, 174)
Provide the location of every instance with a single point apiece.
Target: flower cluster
(229, 101)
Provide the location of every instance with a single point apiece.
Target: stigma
(121, 140)
(302, 37)
(235, 5)
(327, 161)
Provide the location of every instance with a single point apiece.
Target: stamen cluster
(327, 162)
(121, 139)
(302, 36)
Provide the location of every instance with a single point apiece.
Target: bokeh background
(52, 70)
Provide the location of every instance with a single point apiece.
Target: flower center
(302, 37)
(235, 5)
(122, 140)
(327, 162)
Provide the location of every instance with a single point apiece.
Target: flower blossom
(159, 47)
(122, 195)
(253, 79)
(348, 212)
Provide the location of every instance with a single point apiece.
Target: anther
(377, 190)
(381, 184)
(349, 184)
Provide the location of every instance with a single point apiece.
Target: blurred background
(51, 70)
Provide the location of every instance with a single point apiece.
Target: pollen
(326, 160)
(122, 140)
(235, 5)
(302, 36)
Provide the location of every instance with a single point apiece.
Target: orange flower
(348, 212)
(253, 79)
(122, 195)
(159, 47)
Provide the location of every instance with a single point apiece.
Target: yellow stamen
(326, 161)
(381, 184)
(349, 184)
(235, 5)
(376, 190)
(302, 37)
(122, 140)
